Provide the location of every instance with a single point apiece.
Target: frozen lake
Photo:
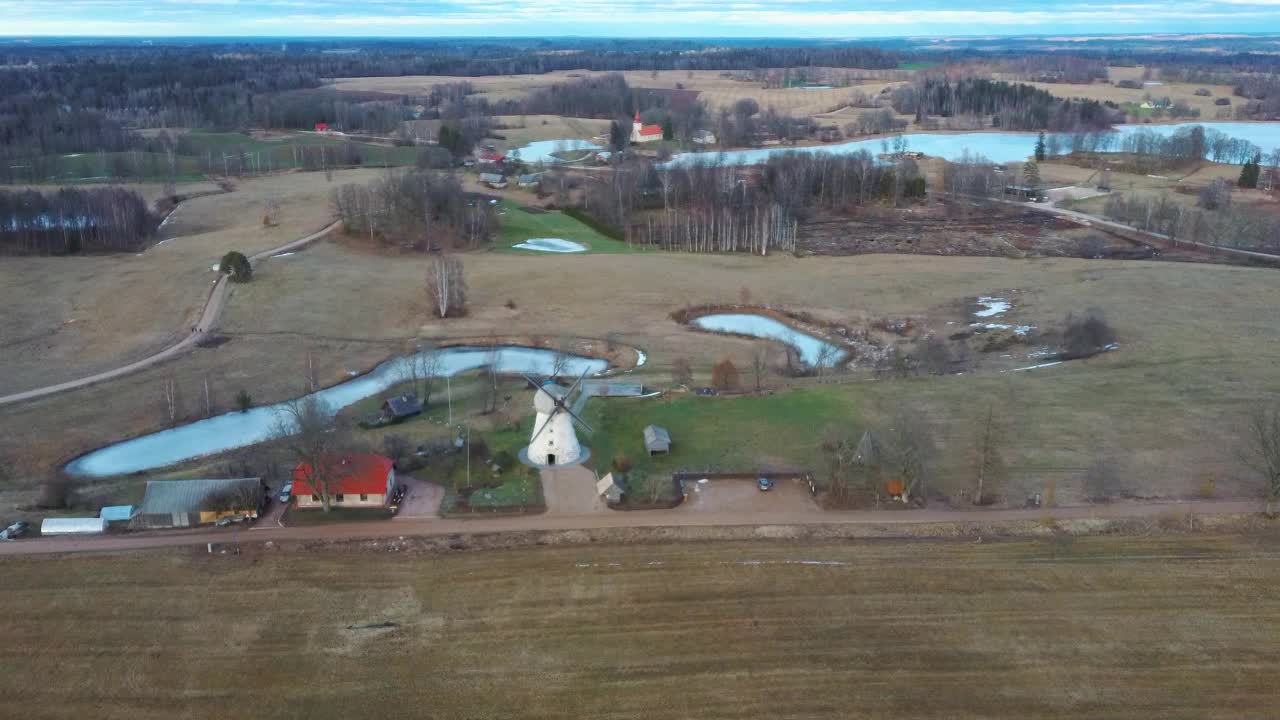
(540, 151)
(551, 245)
(810, 348)
(239, 429)
(998, 147)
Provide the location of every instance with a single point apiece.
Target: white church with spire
(641, 133)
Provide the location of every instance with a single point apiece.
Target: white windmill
(554, 441)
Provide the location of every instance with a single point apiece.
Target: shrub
(504, 459)
(621, 464)
(724, 375)
(235, 264)
(244, 400)
(1087, 334)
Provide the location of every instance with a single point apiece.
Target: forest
(1010, 106)
(73, 220)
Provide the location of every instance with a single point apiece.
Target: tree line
(418, 210)
(1008, 105)
(72, 220)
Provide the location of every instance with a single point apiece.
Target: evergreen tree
(1040, 148)
(618, 138)
(1250, 172)
(235, 264)
(1031, 178)
(668, 131)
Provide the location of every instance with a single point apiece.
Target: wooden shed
(656, 439)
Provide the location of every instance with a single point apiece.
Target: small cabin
(401, 407)
(656, 439)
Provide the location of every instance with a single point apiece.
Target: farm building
(187, 503)
(356, 480)
(116, 513)
(72, 526)
(401, 407)
(656, 439)
(322, 127)
(703, 137)
(492, 158)
(493, 180)
(531, 180)
(641, 133)
(610, 489)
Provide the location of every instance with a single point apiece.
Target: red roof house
(322, 127)
(355, 480)
(492, 158)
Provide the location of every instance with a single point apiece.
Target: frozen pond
(998, 147)
(540, 151)
(811, 349)
(237, 429)
(551, 245)
(991, 306)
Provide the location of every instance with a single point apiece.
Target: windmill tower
(554, 441)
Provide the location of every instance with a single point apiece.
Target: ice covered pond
(551, 245)
(811, 349)
(239, 429)
(997, 147)
(540, 151)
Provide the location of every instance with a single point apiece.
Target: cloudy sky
(619, 18)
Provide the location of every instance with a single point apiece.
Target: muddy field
(1117, 627)
(947, 228)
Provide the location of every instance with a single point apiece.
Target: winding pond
(998, 147)
(239, 429)
(810, 348)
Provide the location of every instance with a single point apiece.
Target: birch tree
(446, 286)
(309, 431)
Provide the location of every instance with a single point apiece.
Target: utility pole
(208, 406)
(449, 391)
(468, 451)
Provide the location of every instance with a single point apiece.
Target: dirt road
(611, 519)
(207, 323)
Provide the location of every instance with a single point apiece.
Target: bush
(235, 264)
(621, 464)
(244, 400)
(724, 375)
(1087, 335)
(504, 459)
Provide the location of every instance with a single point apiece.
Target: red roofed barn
(322, 127)
(357, 480)
(641, 133)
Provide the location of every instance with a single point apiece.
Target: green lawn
(516, 226)
(716, 433)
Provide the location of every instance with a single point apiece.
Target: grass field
(1174, 627)
(718, 89)
(1184, 92)
(68, 316)
(516, 226)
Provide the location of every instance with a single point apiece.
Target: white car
(286, 492)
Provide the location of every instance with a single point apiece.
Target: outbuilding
(656, 439)
(493, 180)
(187, 503)
(72, 526)
(116, 513)
(401, 407)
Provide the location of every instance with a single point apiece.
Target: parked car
(765, 484)
(286, 492)
(14, 531)
(231, 519)
(705, 391)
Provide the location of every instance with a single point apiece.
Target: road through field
(609, 519)
(208, 321)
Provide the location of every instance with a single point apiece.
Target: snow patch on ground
(641, 358)
(991, 306)
(284, 254)
(1019, 329)
(552, 245)
(1036, 367)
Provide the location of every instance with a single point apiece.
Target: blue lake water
(240, 429)
(809, 347)
(998, 147)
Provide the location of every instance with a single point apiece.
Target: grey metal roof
(656, 437)
(186, 496)
(116, 513)
(403, 405)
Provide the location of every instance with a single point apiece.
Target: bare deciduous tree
(991, 466)
(681, 371)
(1262, 436)
(446, 286)
(309, 431)
(910, 451)
(760, 367)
